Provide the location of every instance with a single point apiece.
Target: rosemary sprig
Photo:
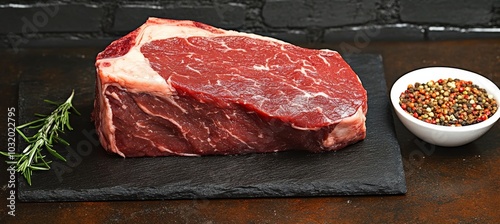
(49, 127)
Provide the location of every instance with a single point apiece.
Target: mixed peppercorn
(448, 102)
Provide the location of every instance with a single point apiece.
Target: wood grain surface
(445, 185)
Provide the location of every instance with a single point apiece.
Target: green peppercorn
(448, 102)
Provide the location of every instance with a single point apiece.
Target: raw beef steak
(185, 88)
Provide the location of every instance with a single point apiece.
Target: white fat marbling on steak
(132, 72)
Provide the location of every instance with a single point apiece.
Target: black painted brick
(452, 12)
(457, 34)
(290, 36)
(3, 44)
(321, 13)
(496, 12)
(394, 32)
(388, 11)
(228, 16)
(31, 19)
(67, 42)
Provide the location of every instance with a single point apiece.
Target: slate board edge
(400, 186)
(116, 194)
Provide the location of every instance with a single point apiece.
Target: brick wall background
(24, 23)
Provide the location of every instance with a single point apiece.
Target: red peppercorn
(452, 106)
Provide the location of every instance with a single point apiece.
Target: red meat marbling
(185, 88)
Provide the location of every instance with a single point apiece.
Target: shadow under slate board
(373, 166)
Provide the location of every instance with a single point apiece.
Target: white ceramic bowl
(436, 134)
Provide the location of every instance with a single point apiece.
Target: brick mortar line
(254, 20)
(312, 35)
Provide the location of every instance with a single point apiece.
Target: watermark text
(11, 150)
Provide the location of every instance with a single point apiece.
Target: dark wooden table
(445, 185)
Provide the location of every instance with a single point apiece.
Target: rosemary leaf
(39, 168)
(49, 127)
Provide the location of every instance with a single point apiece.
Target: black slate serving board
(372, 166)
